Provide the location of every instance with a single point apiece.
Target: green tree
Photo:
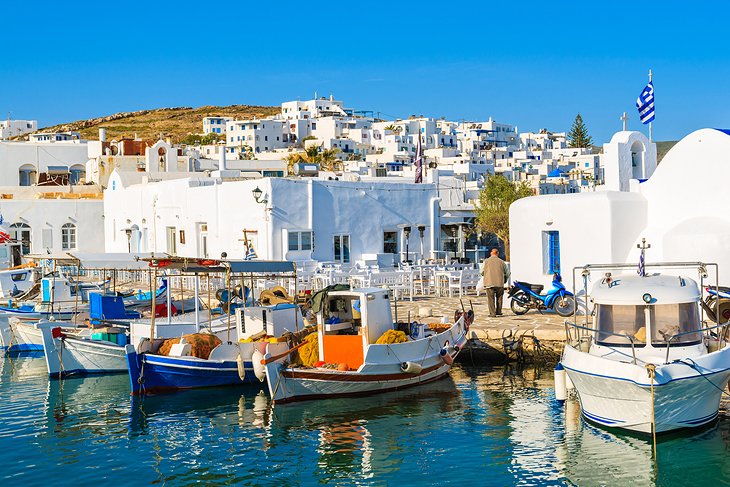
(578, 135)
(207, 139)
(492, 212)
(315, 154)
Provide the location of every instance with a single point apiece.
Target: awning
(118, 261)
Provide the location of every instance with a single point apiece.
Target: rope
(651, 371)
(694, 366)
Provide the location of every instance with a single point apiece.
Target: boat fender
(411, 367)
(561, 391)
(460, 343)
(241, 367)
(446, 356)
(259, 370)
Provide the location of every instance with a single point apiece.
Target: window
(615, 322)
(300, 240)
(20, 232)
(390, 242)
(671, 319)
(341, 244)
(551, 252)
(171, 240)
(68, 236)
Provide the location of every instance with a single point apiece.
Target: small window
(390, 242)
(300, 241)
(68, 236)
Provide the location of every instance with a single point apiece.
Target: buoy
(259, 370)
(411, 367)
(446, 356)
(561, 392)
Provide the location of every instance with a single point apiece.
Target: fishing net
(308, 354)
(391, 336)
(201, 344)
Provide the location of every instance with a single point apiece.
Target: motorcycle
(525, 296)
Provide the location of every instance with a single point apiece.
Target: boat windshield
(615, 323)
(671, 319)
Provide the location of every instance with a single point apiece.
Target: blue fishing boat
(229, 363)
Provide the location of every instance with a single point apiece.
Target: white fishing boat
(649, 362)
(351, 362)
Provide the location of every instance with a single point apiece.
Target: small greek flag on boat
(250, 253)
(645, 104)
(642, 267)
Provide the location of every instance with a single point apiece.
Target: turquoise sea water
(481, 426)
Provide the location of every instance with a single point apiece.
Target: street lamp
(421, 231)
(407, 233)
(257, 195)
(128, 232)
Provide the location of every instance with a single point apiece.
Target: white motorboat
(649, 362)
(349, 323)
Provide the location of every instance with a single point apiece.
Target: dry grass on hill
(149, 124)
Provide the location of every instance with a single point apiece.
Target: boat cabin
(651, 313)
(350, 321)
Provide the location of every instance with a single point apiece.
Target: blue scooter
(526, 296)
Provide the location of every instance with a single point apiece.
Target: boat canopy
(631, 289)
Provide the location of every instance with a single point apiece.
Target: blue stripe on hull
(160, 374)
(25, 347)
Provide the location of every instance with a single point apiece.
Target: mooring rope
(651, 371)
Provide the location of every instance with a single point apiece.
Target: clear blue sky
(533, 64)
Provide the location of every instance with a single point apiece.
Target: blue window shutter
(554, 251)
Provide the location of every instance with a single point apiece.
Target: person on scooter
(496, 274)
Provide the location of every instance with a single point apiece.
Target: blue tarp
(555, 173)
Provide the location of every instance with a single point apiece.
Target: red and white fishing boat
(351, 363)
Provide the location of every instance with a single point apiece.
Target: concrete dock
(531, 337)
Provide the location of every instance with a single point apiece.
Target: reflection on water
(487, 426)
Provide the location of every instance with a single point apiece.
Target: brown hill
(175, 122)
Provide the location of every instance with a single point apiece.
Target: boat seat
(536, 288)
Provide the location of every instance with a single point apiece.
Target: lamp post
(128, 232)
(407, 233)
(421, 231)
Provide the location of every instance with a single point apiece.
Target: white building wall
(361, 210)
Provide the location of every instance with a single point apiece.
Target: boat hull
(382, 371)
(71, 356)
(684, 396)
(149, 374)
(24, 337)
(315, 384)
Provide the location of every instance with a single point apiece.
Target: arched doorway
(637, 160)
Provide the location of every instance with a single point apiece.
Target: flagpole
(650, 78)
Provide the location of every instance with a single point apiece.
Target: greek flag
(645, 104)
(250, 253)
(642, 267)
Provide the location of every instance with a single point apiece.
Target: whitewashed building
(13, 128)
(215, 125)
(54, 219)
(52, 163)
(293, 219)
(676, 206)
